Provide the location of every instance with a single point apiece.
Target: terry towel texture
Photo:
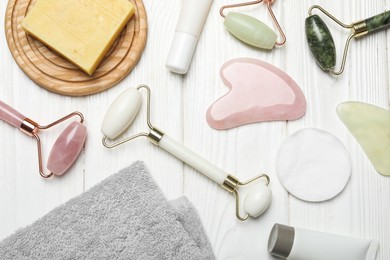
(126, 216)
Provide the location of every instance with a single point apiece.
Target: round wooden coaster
(56, 74)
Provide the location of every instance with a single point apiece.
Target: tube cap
(182, 49)
(281, 240)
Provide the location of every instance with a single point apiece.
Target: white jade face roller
(123, 111)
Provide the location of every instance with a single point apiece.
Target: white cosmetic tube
(293, 243)
(192, 17)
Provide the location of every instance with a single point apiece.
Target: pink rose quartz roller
(258, 92)
(67, 146)
(122, 112)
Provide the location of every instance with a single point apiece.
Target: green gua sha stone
(370, 125)
(250, 30)
(321, 42)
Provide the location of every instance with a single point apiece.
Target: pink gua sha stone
(67, 148)
(258, 92)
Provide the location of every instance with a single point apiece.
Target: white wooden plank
(166, 107)
(365, 74)
(244, 152)
(179, 107)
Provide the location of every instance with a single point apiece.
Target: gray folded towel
(126, 216)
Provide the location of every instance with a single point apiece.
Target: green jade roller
(251, 30)
(321, 42)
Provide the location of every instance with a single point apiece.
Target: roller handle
(193, 159)
(10, 115)
(378, 22)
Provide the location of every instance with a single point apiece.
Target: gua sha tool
(321, 42)
(258, 92)
(65, 150)
(313, 165)
(370, 125)
(123, 111)
(250, 30)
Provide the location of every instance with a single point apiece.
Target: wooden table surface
(179, 107)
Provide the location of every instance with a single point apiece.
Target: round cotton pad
(313, 165)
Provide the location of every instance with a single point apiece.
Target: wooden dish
(56, 74)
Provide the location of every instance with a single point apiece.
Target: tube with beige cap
(293, 243)
(192, 17)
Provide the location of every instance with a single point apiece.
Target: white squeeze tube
(293, 243)
(192, 17)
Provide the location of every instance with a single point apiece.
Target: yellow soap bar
(80, 30)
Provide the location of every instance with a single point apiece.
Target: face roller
(321, 42)
(124, 110)
(251, 30)
(67, 146)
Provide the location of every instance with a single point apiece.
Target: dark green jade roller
(321, 42)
